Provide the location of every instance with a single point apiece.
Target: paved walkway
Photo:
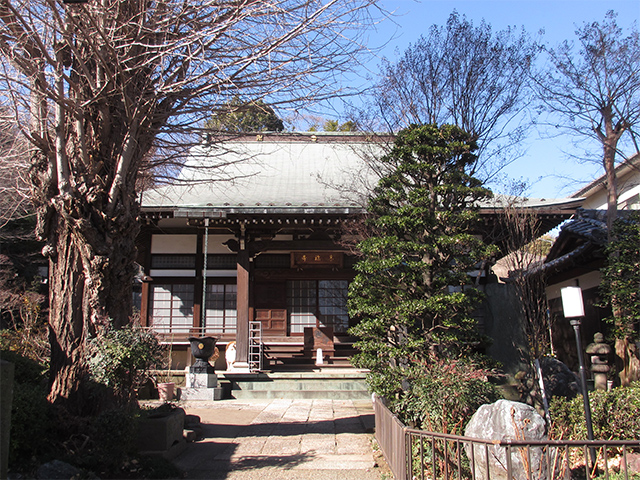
(282, 439)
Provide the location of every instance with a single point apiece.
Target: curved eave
(565, 261)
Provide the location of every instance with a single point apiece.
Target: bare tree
(524, 262)
(519, 232)
(596, 92)
(99, 88)
(463, 75)
(15, 198)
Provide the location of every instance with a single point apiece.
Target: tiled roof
(582, 237)
(267, 172)
(293, 173)
(591, 225)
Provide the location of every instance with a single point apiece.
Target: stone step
(300, 385)
(304, 385)
(301, 394)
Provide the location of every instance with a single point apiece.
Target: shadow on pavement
(357, 424)
(200, 463)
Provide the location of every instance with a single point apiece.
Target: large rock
(559, 381)
(506, 420)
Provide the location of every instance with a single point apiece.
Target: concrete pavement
(282, 439)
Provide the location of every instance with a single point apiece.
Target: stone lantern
(599, 351)
(202, 381)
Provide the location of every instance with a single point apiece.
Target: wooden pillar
(242, 335)
(198, 308)
(242, 329)
(144, 302)
(144, 259)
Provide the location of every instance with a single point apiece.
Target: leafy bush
(32, 426)
(120, 359)
(27, 370)
(619, 476)
(105, 442)
(443, 396)
(412, 298)
(28, 337)
(614, 415)
(33, 432)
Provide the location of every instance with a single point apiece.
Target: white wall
(586, 281)
(184, 244)
(628, 193)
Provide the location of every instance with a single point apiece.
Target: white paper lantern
(572, 303)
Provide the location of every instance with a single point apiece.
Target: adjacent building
(578, 255)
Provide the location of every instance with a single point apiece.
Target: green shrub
(27, 370)
(121, 358)
(443, 396)
(619, 476)
(614, 415)
(105, 442)
(32, 427)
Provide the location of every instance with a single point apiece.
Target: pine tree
(413, 296)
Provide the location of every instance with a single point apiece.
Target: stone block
(7, 371)
(190, 435)
(162, 434)
(192, 421)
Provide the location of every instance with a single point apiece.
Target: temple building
(252, 243)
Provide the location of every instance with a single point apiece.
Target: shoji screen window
(317, 303)
(221, 309)
(172, 308)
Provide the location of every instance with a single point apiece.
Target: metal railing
(183, 331)
(422, 455)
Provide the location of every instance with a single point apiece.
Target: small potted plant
(164, 380)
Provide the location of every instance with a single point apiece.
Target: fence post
(408, 463)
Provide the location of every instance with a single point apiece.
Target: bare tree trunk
(612, 184)
(118, 88)
(627, 352)
(91, 271)
(67, 326)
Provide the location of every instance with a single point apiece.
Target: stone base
(201, 380)
(172, 452)
(196, 393)
(163, 435)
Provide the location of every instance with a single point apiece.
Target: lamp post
(573, 308)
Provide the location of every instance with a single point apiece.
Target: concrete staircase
(337, 384)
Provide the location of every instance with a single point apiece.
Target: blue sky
(547, 168)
